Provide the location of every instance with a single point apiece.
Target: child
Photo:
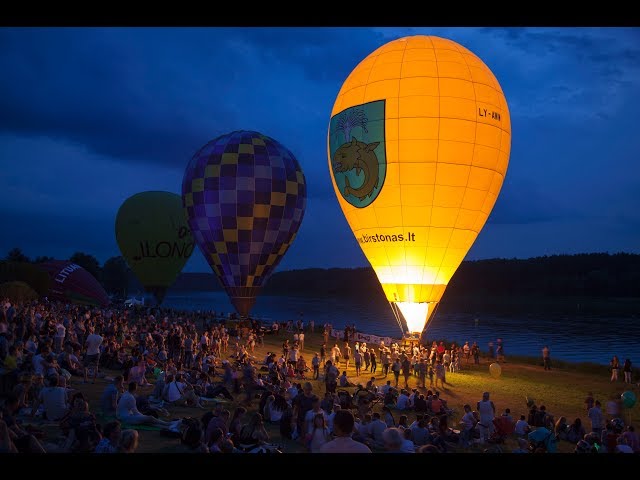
(320, 433)
(431, 376)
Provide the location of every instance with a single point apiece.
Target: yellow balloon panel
(418, 147)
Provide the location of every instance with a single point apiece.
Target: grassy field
(562, 390)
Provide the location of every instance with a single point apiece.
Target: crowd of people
(162, 359)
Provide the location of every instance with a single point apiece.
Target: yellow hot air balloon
(418, 148)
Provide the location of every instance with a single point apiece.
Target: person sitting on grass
(179, 392)
(83, 432)
(110, 438)
(127, 411)
(23, 390)
(110, 395)
(129, 440)
(254, 432)
(343, 425)
(137, 373)
(344, 381)
(192, 440)
(576, 431)
(393, 439)
(403, 402)
(18, 437)
(54, 400)
(522, 427)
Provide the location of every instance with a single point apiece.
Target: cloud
(157, 95)
(43, 176)
(573, 73)
(90, 116)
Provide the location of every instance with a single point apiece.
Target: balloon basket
(409, 340)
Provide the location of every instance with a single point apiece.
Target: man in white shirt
(58, 340)
(343, 423)
(92, 358)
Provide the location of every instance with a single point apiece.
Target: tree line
(478, 282)
(114, 275)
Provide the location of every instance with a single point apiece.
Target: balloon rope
(398, 315)
(435, 309)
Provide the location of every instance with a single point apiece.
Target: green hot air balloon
(154, 238)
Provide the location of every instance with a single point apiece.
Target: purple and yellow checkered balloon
(245, 195)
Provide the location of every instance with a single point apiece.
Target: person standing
(347, 355)
(491, 354)
(386, 362)
(615, 367)
(92, 358)
(487, 411)
(627, 371)
(440, 374)
(374, 361)
(546, 357)
(366, 356)
(466, 350)
(315, 363)
(468, 423)
(396, 368)
(303, 404)
(422, 373)
(357, 360)
(475, 351)
(597, 418)
(500, 350)
(58, 340)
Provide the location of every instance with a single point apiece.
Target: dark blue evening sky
(91, 116)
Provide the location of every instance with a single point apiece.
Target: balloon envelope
(628, 399)
(72, 283)
(154, 239)
(418, 147)
(245, 197)
(495, 370)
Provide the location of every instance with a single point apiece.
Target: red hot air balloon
(72, 283)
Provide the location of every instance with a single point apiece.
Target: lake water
(575, 339)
